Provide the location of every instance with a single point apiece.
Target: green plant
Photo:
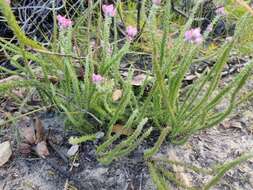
(236, 9)
(163, 177)
(63, 78)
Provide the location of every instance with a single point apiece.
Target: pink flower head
(131, 32)
(64, 22)
(8, 1)
(156, 2)
(193, 36)
(97, 79)
(109, 10)
(220, 11)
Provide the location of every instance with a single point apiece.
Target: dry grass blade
(11, 78)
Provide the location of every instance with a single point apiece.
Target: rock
(5, 152)
(73, 150)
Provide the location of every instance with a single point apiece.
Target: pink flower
(220, 11)
(193, 36)
(131, 32)
(156, 2)
(96, 78)
(64, 22)
(109, 10)
(8, 1)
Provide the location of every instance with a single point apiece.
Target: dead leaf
(117, 94)
(41, 149)
(73, 150)
(5, 152)
(190, 77)
(29, 134)
(231, 124)
(138, 79)
(236, 124)
(119, 129)
(24, 148)
(40, 132)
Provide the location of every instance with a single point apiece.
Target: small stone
(100, 135)
(73, 150)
